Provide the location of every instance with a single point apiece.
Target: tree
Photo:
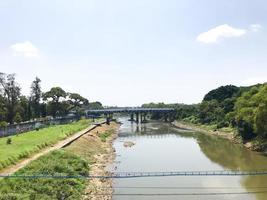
(76, 100)
(17, 118)
(261, 120)
(95, 105)
(11, 94)
(210, 112)
(3, 110)
(24, 108)
(36, 95)
(251, 112)
(222, 93)
(55, 98)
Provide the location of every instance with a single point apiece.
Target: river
(162, 147)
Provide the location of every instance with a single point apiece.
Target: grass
(74, 159)
(55, 163)
(23, 145)
(105, 135)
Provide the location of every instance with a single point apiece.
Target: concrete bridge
(136, 114)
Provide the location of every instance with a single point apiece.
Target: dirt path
(12, 169)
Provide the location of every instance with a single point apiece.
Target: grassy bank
(256, 144)
(57, 162)
(23, 145)
(79, 158)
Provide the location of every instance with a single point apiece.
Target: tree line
(16, 107)
(243, 109)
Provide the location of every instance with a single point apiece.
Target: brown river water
(160, 147)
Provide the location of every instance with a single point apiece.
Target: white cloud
(254, 81)
(255, 27)
(26, 49)
(222, 31)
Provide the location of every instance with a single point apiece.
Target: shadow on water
(234, 157)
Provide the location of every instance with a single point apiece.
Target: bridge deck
(131, 110)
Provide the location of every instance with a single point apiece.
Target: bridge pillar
(107, 119)
(143, 117)
(166, 117)
(137, 117)
(132, 117)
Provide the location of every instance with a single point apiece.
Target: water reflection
(162, 147)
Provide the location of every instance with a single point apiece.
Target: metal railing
(14, 129)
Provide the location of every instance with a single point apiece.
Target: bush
(56, 163)
(3, 124)
(8, 141)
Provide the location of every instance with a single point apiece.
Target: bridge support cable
(120, 175)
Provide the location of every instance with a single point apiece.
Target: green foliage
(56, 101)
(242, 107)
(218, 105)
(210, 112)
(95, 105)
(36, 95)
(261, 120)
(17, 118)
(182, 111)
(76, 103)
(222, 93)
(15, 107)
(105, 135)
(3, 124)
(28, 143)
(8, 141)
(251, 112)
(11, 93)
(55, 163)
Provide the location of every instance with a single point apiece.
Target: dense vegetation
(243, 109)
(23, 145)
(15, 107)
(182, 110)
(56, 163)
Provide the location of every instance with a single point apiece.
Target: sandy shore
(100, 154)
(102, 161)
(229, 136)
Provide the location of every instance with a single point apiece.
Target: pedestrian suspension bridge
(116, 175)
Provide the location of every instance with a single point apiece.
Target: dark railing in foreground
(142, 175)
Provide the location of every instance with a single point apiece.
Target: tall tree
(56, 101)
(24, 108)
(11, 93)
(77, 100)
(3, 110)
(36, 95)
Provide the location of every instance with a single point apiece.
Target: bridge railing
(130, 110)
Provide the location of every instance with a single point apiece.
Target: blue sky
(123, 52)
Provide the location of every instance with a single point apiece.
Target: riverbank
(29, 146)
(97, 148)
(88, 155)
(253, 145)
(197, 128)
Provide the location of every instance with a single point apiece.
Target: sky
(127, 53)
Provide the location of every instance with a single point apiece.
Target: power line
(165, 194)
(183, 188)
